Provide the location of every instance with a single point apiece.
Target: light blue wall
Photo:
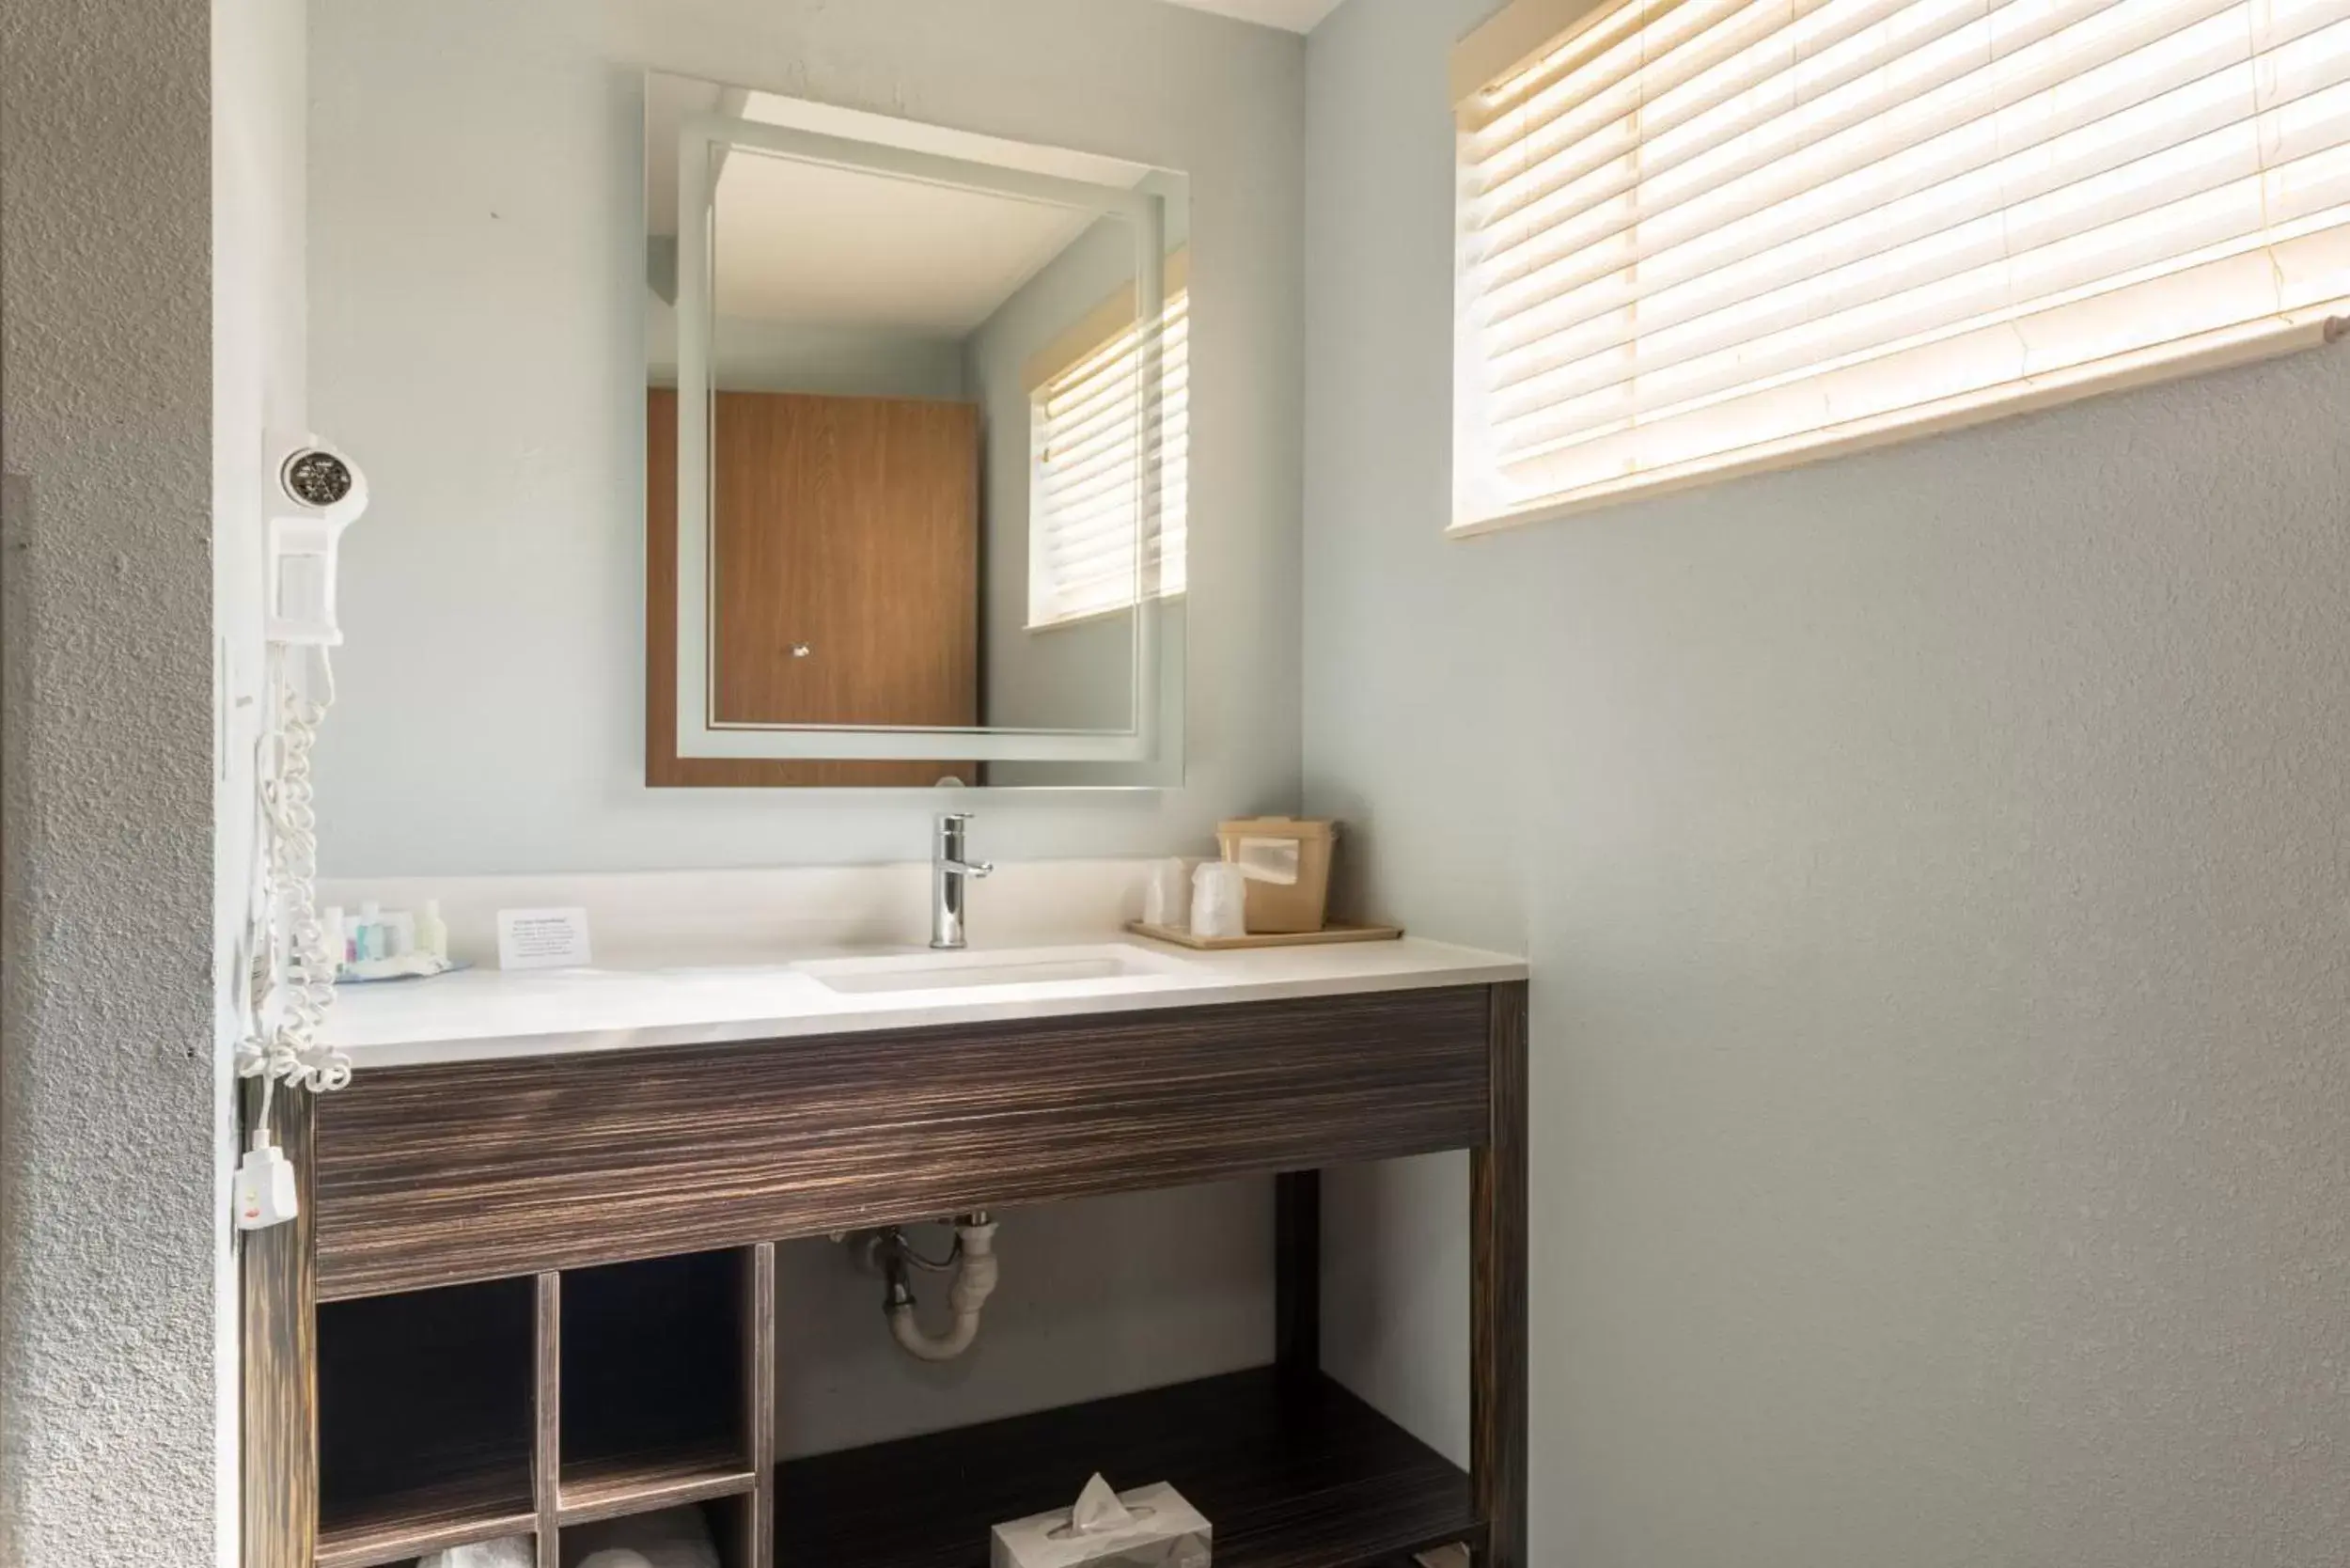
(1936, 870)
(1078, 677)
(749, 355)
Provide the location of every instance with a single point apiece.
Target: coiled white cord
(289, 1005)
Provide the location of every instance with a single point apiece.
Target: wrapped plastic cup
(1166, 895)
(1219, 900)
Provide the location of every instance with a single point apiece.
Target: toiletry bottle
(332, 937)
(432, 931)
(367, 941)
(400, 934)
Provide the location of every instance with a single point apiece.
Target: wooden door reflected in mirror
(846, 543)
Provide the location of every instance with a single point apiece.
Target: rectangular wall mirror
(917, 415)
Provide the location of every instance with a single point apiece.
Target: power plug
(265, 1188)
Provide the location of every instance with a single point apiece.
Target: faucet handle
(949, 853)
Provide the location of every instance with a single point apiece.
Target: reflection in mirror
(918, 462)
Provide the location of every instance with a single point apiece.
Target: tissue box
(1170, 1534)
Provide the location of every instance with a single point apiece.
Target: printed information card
(542, 938)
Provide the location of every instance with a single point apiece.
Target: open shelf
(655, 1392)
(401, 1527)
(425, 1422)
(640, 1483)
(1291, 1469)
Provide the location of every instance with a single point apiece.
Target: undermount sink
(963, 971)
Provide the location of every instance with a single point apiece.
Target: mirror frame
(1155, 734)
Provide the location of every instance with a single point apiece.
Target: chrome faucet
(949, 874)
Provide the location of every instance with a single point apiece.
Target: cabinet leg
(546, 1458)
(1498, 1327)
(1297, 1271)
(758, 1513)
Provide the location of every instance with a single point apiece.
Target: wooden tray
(1339, 931)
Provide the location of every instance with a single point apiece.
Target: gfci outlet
(234, 698)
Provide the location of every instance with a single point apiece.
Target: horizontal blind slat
(2064, 343)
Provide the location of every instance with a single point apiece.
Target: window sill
(1089, 617)
(2268, 341)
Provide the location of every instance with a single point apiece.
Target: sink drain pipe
(974, 1263)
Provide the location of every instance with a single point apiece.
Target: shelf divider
(1297, 1271)
(608, 1488)
(759, 1406)
(406, 1526)
(546, 1467)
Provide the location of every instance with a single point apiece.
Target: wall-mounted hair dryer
(320, 493)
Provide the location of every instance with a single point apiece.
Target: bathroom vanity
(918, 407)
(533, 1284)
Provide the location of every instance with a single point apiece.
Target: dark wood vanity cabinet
(532, 1293)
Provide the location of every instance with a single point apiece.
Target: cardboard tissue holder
(1150, 1527)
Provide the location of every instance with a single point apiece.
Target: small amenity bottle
(432, 931)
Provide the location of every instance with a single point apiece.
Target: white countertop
(483, 1014)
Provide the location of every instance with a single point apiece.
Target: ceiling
(1297, 16)
(925, 259)
(802, 244)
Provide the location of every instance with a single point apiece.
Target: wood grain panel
(1291, 1472)
(859, 528)
(1497, 1326)
(278, 1287)
(436, 1174)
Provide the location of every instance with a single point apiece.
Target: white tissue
(1098, 1509)
(1272, 860)
(673, 1538)
(1150, 1527)
(514, 1552)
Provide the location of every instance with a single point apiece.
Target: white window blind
(1705, 236)
(1085, 511)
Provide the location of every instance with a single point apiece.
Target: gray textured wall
(477, 338)
(108, 1330)
(1935, 869)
